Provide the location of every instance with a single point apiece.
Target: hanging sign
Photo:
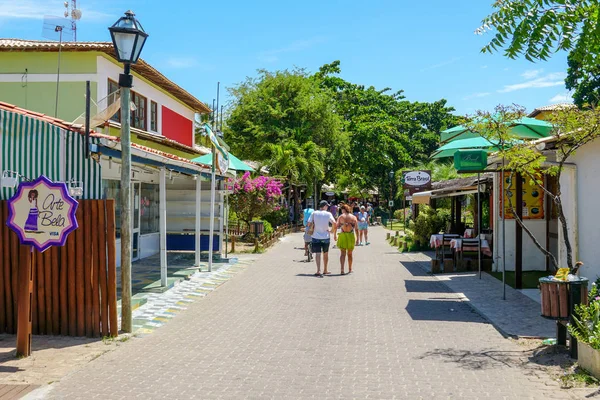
(223, 162)
(42, 213)
(416, 181)
(215, 140)
(470, 160)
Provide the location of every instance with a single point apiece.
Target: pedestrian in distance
(345, 242)
(319, 228)
(307, 238)
(363, 226)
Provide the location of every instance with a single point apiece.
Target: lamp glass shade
(128, 38)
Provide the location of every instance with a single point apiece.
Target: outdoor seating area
(454, 252)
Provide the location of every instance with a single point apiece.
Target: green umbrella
(234, 162)
(522, 128)
(450, 148)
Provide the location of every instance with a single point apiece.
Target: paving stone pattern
(517, 315)
(275, 331)
(161, 307)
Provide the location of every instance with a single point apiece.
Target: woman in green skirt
(346, 239)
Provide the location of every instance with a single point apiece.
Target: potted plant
(586, 329)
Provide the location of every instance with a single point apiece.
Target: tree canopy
(320, 127)
(536, 29)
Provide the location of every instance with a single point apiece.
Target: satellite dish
(76, 14)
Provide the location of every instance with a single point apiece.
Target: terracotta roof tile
(80, 129)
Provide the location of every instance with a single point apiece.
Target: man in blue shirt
(307, 238)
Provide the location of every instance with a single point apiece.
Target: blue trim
(94, 148)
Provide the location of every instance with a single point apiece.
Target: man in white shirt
(320, 236)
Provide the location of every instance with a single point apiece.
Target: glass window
(149, 208)
(113, 96)
(138, 117)
(112, 190)
(153, 116)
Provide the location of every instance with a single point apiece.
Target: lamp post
(391, 203)
(128, 39)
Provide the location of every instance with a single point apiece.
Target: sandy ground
(52, 357)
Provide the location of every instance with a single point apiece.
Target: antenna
(57, 28)
(74, 13)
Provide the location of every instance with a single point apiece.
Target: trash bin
(560, 297)
(257, 228)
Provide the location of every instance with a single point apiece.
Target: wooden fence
(74, 286)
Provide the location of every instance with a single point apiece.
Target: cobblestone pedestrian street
(274, 330)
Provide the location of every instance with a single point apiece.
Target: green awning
(234, 162)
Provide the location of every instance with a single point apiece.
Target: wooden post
(232, 244)
(519, 234)
(256, 245)
(112, 267)
(24, 302)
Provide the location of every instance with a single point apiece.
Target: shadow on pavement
(477, 360)
(414, 268)
(425, 287)
(442, 310)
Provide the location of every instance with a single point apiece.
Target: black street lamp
(128, 38)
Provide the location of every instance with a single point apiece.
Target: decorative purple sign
(42, 213)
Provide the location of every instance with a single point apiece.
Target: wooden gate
(74, 286)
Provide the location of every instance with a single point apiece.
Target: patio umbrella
(522, 128)
(450, 148)
(234, 162)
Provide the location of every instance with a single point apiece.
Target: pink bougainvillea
(253, 198)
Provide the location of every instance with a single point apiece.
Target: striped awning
(32, 147)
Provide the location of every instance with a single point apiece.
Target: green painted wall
(41, 96)
(15, 62)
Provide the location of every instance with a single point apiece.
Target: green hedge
(429, 222)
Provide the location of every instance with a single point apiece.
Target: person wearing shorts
(345, 240)
(307, 238)
(363, 226)
(320, 221)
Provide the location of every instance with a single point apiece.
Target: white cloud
(549, 80)
(442, 64)
(181, 62)
(476, 95)
(38, 9)
(532, 73)
(271, 56)
(561, 98)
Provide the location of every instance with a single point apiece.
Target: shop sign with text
(42, 213)
(416, 181)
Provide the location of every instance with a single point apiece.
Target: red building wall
(177, 127)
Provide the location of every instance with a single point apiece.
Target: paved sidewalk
(276, 331)
(518, 315)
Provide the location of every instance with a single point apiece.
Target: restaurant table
(456, 244)
(435, 240)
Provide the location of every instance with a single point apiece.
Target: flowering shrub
(253, 198)
(586, 327)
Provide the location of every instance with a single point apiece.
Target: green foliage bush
(430, 221)
(268, 227)
(586, 327)
(277, 218)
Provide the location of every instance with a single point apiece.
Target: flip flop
(317, 274)
(327, 273)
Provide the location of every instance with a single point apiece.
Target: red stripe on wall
(177, 127)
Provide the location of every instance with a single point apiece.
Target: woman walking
(348, 224)
(363, 226)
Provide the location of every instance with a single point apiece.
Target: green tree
(536, 29)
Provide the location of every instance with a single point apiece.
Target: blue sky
(426, 48)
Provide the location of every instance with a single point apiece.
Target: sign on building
(42, 213)
(470, 160)
(416, 181)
